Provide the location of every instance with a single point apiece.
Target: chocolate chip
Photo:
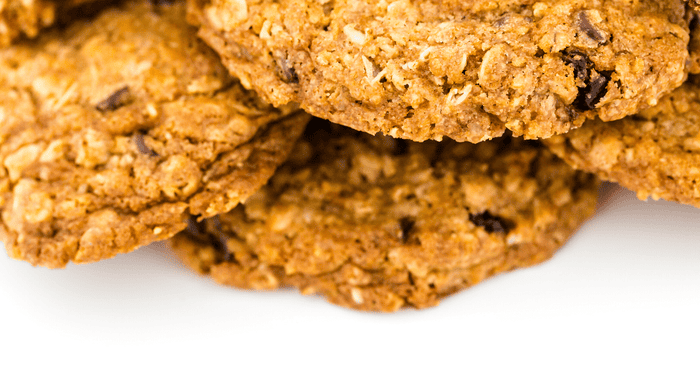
(594, 82)
(200, 232)
(407, 225)
(141, 145)
(502, 21)
(594, 91)
(286, 72)
(579, 62)
(589, 29)
(118, 99)
(490, 223)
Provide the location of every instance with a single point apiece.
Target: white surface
(618, 308)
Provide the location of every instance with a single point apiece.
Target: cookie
(115, 130)
(27, 17)
(654, 153)
(424, 69)
(376, 223)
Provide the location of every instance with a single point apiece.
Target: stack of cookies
(450, 140)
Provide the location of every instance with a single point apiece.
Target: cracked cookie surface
(376, 223)
(115, 130)
(424, 69)
(655, 153)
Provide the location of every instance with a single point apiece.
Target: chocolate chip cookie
(377, 223)
(113, 131)
(654, 153)
(424, 69)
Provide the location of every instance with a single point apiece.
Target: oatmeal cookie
(114, 131)
(654, 153)
(424, 69)
(376, 223)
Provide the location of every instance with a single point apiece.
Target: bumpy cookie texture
(376, 223)
(27, 17)
(113, 131)
(654, 153)
(424, 69)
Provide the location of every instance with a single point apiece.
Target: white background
(618, 308)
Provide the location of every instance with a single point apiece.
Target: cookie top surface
(654, 153)
(113, 130)
(377, 223)
(424, 69)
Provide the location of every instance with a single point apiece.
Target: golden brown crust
(424, 69)
(115, 130)
(375, 223)
(655, 153)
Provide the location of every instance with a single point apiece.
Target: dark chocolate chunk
(118, 99)
(141, 145)
(589, 29)
(594, 91)
(407, 224)
(579, 62)
(502, 21)
(202, 233)
(594, 82)
(490, 223)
